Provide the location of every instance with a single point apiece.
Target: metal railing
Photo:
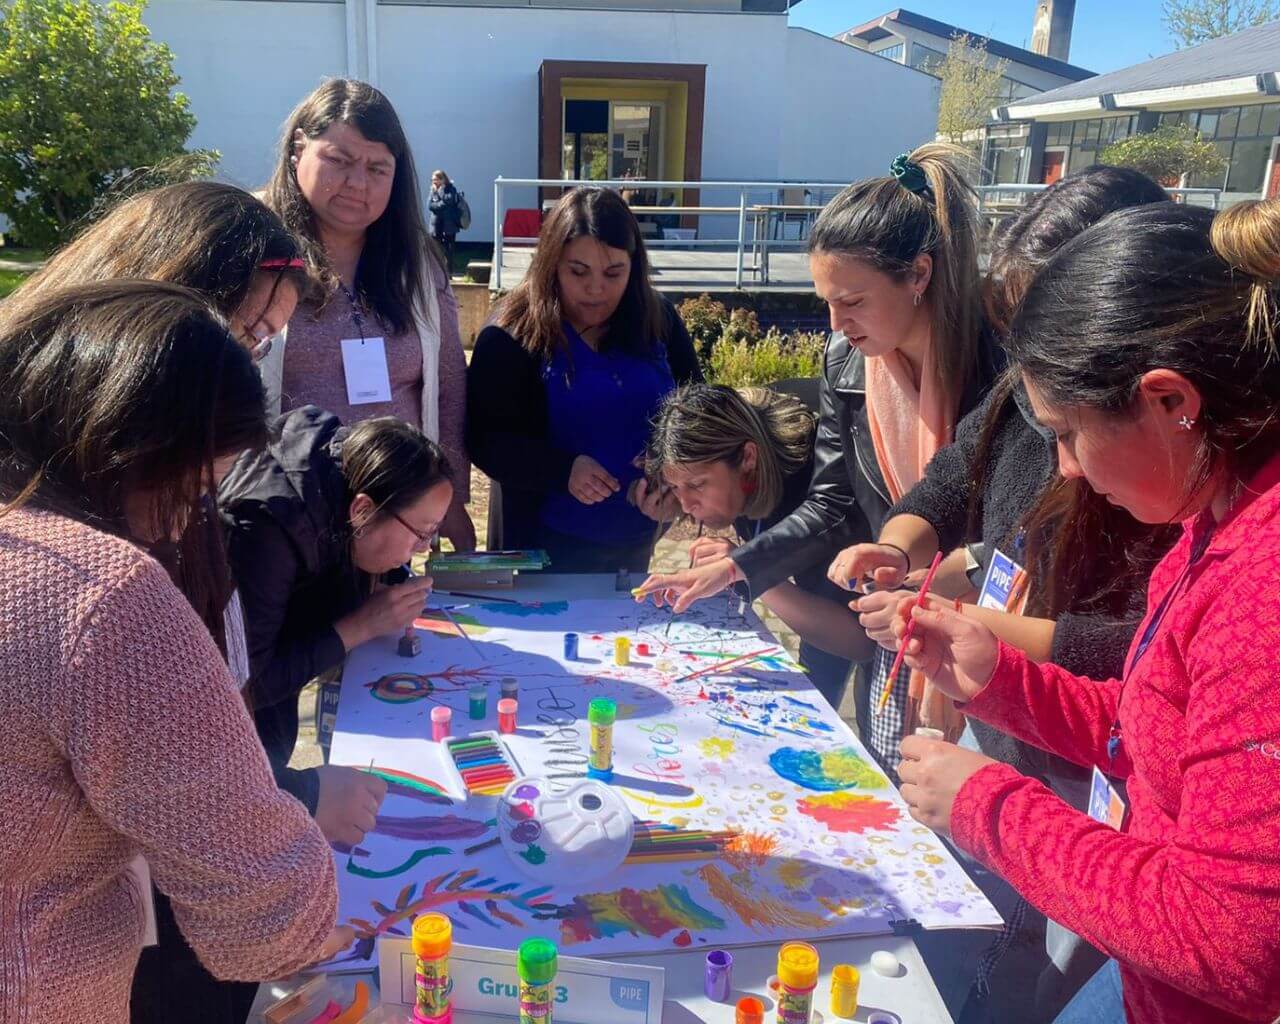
(754, 203)
(997, 200)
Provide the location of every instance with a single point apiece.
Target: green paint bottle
(536, 965)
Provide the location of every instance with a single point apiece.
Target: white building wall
(780, 102)
(245, 64)
(848, 114)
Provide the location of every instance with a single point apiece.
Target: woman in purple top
(563, 386)
(378, 333)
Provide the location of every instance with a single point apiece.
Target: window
(893, 53)
(926, 59)
(1228, 123)
(1242, 135)
(1248, 165)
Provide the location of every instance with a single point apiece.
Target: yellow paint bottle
(622, 652)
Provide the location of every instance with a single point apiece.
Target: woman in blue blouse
(563, 386)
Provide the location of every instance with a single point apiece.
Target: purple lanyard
(1114, 740)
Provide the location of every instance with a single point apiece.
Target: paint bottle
(643, 650)
(717, 981)
(441, 721)
(749, 1011)
(571, 647)
(432, 940)
(798, 977)
(844, 991)
(622, 652)
(601, 714)
(478, 697)
(507, 708)
(536, 965)
(510, 687)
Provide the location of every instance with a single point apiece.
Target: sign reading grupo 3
(484, 980)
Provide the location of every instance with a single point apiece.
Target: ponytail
(925, 207)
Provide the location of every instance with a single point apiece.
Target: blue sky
(1108, 34)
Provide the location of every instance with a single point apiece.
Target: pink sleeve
(1052, 709)
(1195, 910)
(166, 754)
(453, 390)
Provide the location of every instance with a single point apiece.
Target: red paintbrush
(906, 637)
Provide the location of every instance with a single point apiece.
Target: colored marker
(906, 637)
(601, 714)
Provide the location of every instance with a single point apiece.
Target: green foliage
(1166, 154)
(85, 105)
(776, 356)
(971, 85)
(705, 320)
(1192, 22)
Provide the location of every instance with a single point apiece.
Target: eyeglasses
(423, 538)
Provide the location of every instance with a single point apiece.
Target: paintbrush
(461, 632)
(485, 598)
(906, 637)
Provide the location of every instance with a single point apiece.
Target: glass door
(635, 149)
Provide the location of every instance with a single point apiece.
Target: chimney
(1051, 36)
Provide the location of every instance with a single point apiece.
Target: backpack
(464, 212)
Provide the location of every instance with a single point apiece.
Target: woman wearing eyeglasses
(314, 522)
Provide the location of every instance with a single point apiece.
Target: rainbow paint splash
(653, 912)
(415, 786)
(849, 812)
(826, 771)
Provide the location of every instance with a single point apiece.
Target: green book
(488, 561)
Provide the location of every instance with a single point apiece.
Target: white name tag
(364, 362)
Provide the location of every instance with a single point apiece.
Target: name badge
(1004, 589)
(364, 363)
(1105, 803)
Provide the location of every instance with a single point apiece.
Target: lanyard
(1198, 548)
(356, 315)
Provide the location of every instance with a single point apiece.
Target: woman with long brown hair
(121, 405)
(378, 334)
(563, 384)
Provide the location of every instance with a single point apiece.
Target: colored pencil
(730, 663)
(906, 637)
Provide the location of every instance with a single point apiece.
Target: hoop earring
(916, 298)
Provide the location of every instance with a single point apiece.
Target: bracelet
(905, 557)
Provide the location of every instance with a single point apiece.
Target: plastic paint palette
(581, 830)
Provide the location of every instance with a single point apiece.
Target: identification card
(364, 362)
(1105, 804)
(1004, 589)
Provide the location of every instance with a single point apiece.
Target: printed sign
(1005, 587)
(484, 980)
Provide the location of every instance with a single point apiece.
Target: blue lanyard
(1114, 739)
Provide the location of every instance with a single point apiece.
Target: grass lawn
(15, 254)
(9, 280)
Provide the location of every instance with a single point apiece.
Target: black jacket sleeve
(1096, 646)
(682, 357)
(265, 565)
(942, 496)
(303, 783)
(829, 518)
(507, 417)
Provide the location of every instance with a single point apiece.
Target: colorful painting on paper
(780, 825)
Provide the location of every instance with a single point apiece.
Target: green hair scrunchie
(909, 175)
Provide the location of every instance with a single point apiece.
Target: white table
(912, 995)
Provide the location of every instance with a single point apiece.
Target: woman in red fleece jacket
(1165, 397)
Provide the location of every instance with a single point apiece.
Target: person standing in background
(378, 334)
(446, 214)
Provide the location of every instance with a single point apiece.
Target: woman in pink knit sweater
(1164, 398)
(121, 404)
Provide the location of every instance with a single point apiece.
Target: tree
(1166, 154)
(971, 87)
(85, 105)
(1192, 22)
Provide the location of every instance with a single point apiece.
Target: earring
(1186, 423)
(915, 299)
(359, 532)
(748, 485)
